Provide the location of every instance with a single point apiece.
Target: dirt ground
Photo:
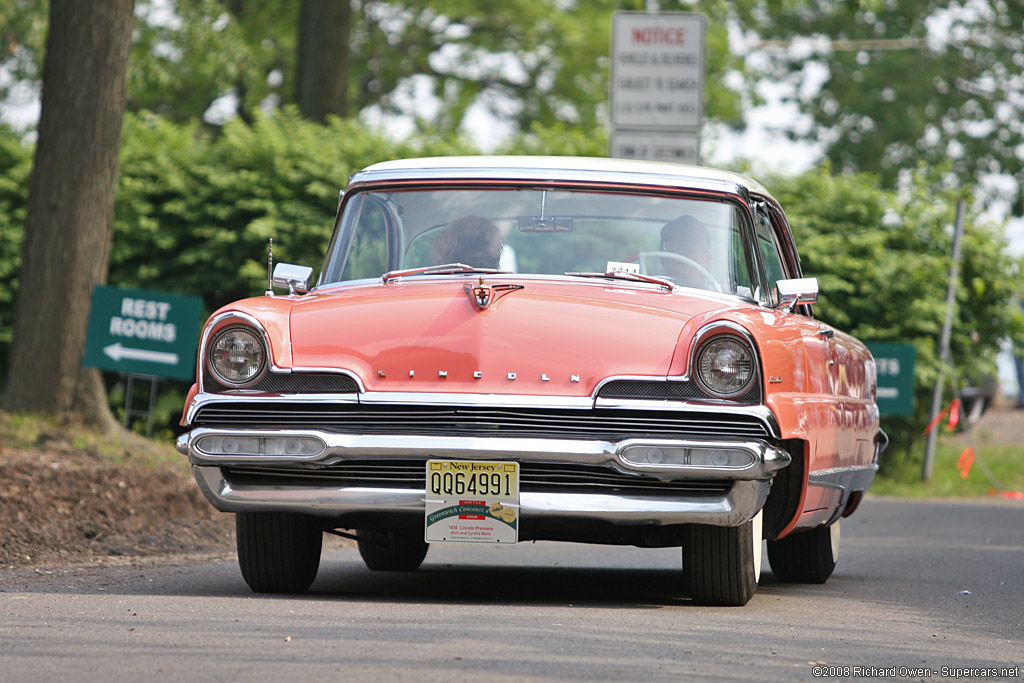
(65, 505)
(61, 504)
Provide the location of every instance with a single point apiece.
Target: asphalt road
(919, 585)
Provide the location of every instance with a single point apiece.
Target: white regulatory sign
(680, 148)
(657, 70)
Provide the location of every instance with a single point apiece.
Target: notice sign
(143, 332)
(657, 70)
(471, 501)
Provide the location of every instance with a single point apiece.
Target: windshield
(693, 243)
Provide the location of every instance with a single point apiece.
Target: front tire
(278, 552)
(806, 556)
(391, 551)
(722, 565)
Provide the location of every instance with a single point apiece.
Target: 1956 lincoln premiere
(504, 349)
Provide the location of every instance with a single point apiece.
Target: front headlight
(237, 356)
(725, 366)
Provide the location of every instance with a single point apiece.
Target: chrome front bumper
(739, 502)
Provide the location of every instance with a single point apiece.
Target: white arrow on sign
(117, 352)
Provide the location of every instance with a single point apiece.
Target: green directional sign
(143, 332)
(895, 366)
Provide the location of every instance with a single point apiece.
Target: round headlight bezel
(222, 374)
(703, 366)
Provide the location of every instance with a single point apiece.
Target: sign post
(657, 88)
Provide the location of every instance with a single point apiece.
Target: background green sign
(895, 365)
(143, 332)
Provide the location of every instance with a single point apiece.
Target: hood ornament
(483, 295)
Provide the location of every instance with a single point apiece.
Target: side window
(740, 261)
(768, 249)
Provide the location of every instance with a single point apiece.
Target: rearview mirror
(545, 223)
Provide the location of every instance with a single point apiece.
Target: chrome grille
(409, 474)
(600, 423)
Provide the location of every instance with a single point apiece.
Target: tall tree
(905, 82)
(70, 208)
(323, 58)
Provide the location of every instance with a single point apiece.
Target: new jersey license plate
(472, 501)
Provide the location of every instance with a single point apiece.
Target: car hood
(544, 338)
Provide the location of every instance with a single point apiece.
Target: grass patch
(995, 466)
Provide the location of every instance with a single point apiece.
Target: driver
(689, 238)
(472, 240)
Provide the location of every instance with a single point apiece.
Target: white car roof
(556, 168)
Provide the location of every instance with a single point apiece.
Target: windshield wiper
(626, 275)
(446, 269)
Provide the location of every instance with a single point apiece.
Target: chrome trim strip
(736, 506)
(221, 321)
(202, 399)
(636, 378)
(761, 413)
(842, 470)
(740, 331)
(453, 399)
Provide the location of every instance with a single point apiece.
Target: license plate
(472, 501)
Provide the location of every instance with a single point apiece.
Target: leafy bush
(15, 167)
(194, 212)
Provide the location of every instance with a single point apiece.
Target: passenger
(472, 240)
(689, 238)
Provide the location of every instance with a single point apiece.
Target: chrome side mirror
(296, 279)
(797, 291)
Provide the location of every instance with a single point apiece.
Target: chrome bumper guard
(750, 482)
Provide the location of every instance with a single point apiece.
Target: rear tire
(806, 556)
(722, 565)
(278, 552)
(391, 551)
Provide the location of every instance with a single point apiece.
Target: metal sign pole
(947, 329)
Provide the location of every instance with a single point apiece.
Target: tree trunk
(323, 58)
(70, 207)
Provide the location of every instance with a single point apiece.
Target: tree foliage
(15, 167)
(526, 61)
(905, 82)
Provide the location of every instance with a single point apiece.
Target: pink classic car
(505, 349)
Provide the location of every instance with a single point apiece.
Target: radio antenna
(270, 268)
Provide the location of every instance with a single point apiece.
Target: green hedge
(194, 212)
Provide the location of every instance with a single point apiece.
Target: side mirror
(296, 278)
(797, 291)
